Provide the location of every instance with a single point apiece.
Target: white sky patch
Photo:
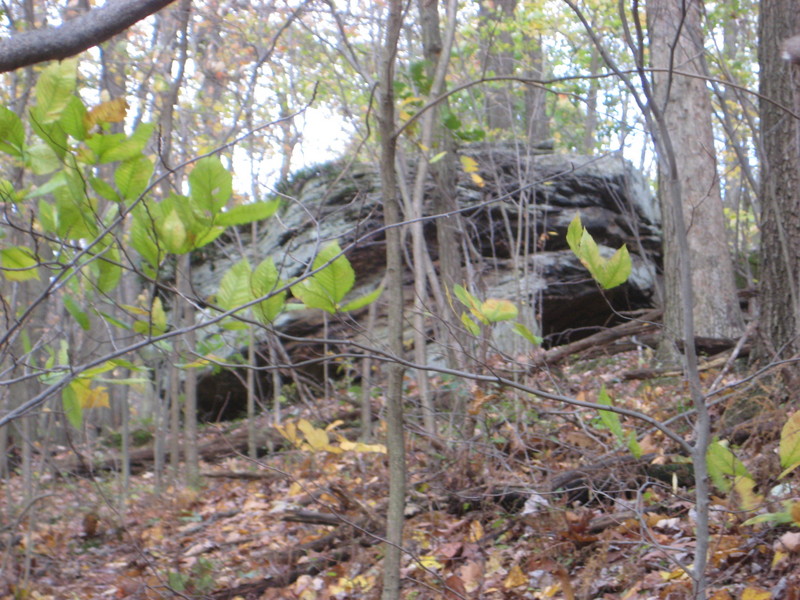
(325, 137)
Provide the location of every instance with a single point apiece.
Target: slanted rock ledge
(528, 201)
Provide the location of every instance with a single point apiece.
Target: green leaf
(75, 212)
(103, 189)
(132, 177)
(608, 273)
(608, 418)
(363, 300)
(102, 143)
(495, 310)
(633, 446)
(143, 238)
(19, 263)
(114, 321)
(438, 157)
(56, 181)
(326, 288)
(80, 316)
(229, 325)
(104, 367)
(790, 443)
(63, 352)
(617, 269)
(130, 147)
(172, 233)
(72, 407)
(210, 184)
(466, 298)
(338, 277)
(471, 325)
(263, 282)
(781, 518)
(313, 295)
(47, 216)
(41, 159)
(8, 194)
(522, 330)
(574, 234)
(109, 269)
(419, 76)
(156, 324)
(247, 213)
(52, 134)
(121, 362)
(72, 118)
(234, 289)
(54, 89)
(451, 121)
(724, 467)
(12, 133)
(207, 236)
(590, 254)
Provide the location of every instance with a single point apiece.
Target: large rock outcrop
(528, 201)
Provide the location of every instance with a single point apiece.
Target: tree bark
(498, 60)
(395, 438)
(779, 88)
(676, 38)
(75, 35)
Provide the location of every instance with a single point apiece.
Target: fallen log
(646, 323)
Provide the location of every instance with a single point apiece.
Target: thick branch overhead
(76, 35)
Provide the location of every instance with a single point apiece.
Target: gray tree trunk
(676, 45)
(498, 60)
(395, 438)
(780, 181)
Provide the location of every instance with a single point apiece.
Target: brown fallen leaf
(455, 588)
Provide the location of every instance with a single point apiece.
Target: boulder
(526, 199)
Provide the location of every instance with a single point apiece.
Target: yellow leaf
(745, 489)
(751, 593)
(475, 531)
(495, 310)
(469, 164)
(361, 447)
(477, 179)
(206, 360)
(89, 397)
(674, 574)
(515, 578)
(316, 438)
(794, 510)
(289, 431)
(430, 562)
(97, 398)
(551, 590)
(779, 556)
(113, 111)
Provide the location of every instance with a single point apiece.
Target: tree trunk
(498, 60)
(438, 139)
(780, 182)
(538, 125)
(395, 438)
(677, 45)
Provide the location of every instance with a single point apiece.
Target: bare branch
(76, 35)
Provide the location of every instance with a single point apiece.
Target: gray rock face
(527, 202)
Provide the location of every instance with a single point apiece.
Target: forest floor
(483, 517)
